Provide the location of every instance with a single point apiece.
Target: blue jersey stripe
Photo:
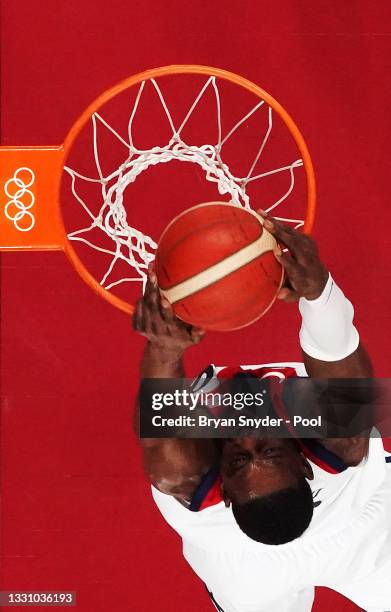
(203, 488)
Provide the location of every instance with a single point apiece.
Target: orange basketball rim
(30, 209)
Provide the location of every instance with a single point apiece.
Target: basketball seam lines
(220, 270)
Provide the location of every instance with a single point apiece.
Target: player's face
(253, 467)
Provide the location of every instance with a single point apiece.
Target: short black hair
(277, 518)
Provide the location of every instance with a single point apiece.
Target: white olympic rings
(22, 207)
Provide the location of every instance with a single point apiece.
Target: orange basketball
(215, 265)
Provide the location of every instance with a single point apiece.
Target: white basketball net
(130, 244)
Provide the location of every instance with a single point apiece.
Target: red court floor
(76, 510)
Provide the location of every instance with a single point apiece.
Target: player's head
(265, 481)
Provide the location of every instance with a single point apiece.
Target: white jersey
(347, 546)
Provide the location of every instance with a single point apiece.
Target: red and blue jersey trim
(312, 448)
(322, 457)
(208, 492)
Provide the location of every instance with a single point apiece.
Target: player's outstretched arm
(330, 342)
(174, 466)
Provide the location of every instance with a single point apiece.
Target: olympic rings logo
(22, 199)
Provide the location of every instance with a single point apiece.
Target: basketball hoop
(34, 211)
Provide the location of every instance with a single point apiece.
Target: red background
(76, 511)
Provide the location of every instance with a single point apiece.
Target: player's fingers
(301, 246)
(267, 217)
(262, 213)
(197, 334)
(147, 319)
(138, 316)
(286, 282)
(283, 233)
(149, 288)
(151, 293)
(288, 295)
(289, 264)
(166, 309)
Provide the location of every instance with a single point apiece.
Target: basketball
(215, 265)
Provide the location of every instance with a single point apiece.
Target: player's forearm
(173, 465)
(329, 339)
(160, 362)
(356, 365)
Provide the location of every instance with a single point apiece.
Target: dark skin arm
(175, 466)
(306, 276)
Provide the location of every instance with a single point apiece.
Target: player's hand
(306, 275)
(154, 318)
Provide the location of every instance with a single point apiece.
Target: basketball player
(265, 520)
